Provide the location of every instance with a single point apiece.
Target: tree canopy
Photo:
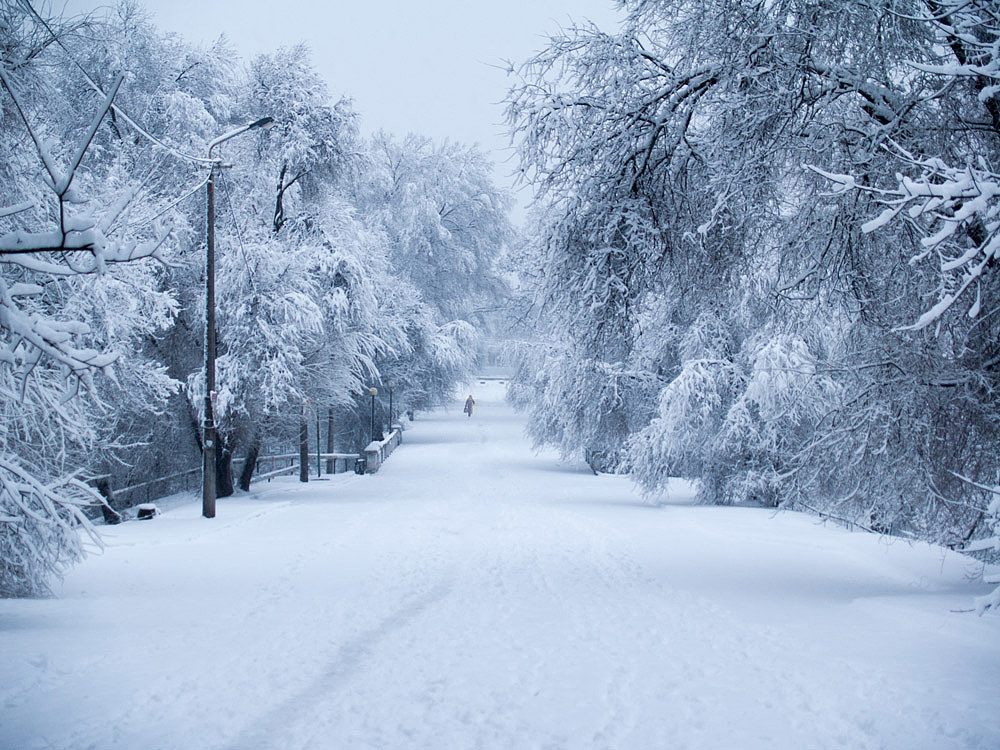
(765, 246)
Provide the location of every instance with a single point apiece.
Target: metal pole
(208, 443)
(373, 416)
(303, 446)
(319, 469)
(390, 410)
(331, 464)
(210, 437)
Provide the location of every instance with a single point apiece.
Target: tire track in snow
(346, 659)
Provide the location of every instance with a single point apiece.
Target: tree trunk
(250, 464)
(195, 428)
(223, 470)
(594, 460)
(303, 447)
(331, 463)
(279, 208)
(111, 516)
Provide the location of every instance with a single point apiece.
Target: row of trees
(766, 250)
(341, 263)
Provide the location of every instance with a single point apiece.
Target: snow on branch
(57, 329)
(39, 527)
(75, 233)
(78, 245)
(971, 28)
(16, 209)
(956, 209)
(991, 601)
(56, 39)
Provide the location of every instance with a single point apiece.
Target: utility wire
(176, 203)
(239, 232)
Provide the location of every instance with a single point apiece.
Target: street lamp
(390, 384)
(304, 443)
(208, 444)
(373, 392)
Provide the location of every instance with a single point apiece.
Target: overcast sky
(428, 67)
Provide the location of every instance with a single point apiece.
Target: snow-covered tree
(446, 221)
(446, 227)
(291, 264)
(105, 128)
(945, 191)
(675, 163)
(74, 295)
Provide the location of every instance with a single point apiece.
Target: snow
(473, 594)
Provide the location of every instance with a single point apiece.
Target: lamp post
(391, 385)
(304, 443)
(208, 443)
(373, 392)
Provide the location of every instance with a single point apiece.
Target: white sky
(425, 67)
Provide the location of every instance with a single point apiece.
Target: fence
(379, 450)
(346, 462)
(267, 467)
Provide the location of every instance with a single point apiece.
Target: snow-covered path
(475, 595)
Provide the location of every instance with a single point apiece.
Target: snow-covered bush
(733, 421)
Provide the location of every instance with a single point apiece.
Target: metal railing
(267, 467)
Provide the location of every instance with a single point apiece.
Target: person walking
(470, 402)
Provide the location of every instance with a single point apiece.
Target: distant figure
(470, 402)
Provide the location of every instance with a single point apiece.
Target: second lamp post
(373, 392)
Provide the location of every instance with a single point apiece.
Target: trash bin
(145, 511)
(360, 465)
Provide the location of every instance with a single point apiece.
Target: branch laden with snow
(956, 208)
(957, 211)
(81, 243)
(40, 525)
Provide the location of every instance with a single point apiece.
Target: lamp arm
(265, 122)
(226, 137)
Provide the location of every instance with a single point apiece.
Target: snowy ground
(475, 595)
